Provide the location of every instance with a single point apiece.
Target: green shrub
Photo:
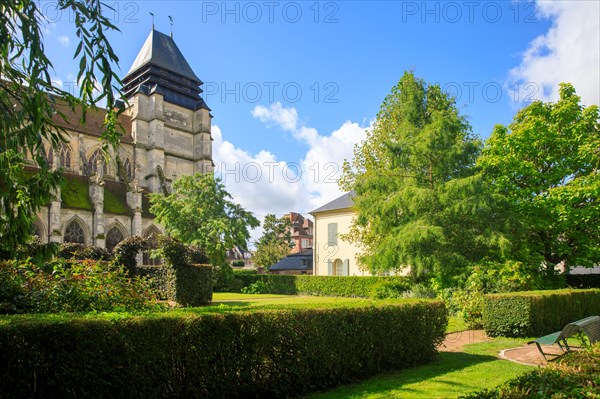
(71, 286)
(419, 291)
(537, 313)
(388, 289)
(197, 256)
(228, 355)
(224, 280)
(186, 283)
(350, 286)
(258, 287)
(190, 285)
(583, 280)
(157, 277)
(575, 375)
(127, 250)
(470, 304)
(238, 272)
(238, 263)
(40, 253)
(71, 250)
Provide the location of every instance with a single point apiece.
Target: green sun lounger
(590, 326)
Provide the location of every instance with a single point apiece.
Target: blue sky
(293, 85)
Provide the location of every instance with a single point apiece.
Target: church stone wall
(164, 141)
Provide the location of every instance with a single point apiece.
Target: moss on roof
(75, 193)
(115, 198)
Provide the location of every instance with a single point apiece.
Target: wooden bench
(590, 326)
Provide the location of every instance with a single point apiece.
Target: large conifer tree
(419, 201)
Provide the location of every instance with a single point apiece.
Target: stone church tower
(170, 121)
(167, 134)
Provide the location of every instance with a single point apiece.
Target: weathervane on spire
(151, 13)
(171, 19)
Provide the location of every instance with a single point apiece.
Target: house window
(113, 237)
(74, 233)
(338, 267)
(305, 243)
(332, 233)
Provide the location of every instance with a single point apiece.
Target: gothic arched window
(74, 233)
(127, 169)
(93, 162)
(113, 237)
(152, 236)
(50, 157)
(65, 156)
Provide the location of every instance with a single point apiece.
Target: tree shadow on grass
(446, 376)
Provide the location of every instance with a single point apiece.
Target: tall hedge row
(345, 286)
(583, 280)
(537, 313)
(189, 285)
(230, 355)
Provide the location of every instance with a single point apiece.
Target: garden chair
(590, 326)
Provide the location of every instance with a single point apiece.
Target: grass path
(451, 375)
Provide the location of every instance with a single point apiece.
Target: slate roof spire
(161, 63)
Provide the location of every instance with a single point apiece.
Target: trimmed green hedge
(537, 313)
(575, 375)
(244, 271)
(229, 355)
(189, 285)
(583, 280)
(345, 286)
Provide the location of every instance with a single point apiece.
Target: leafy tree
(28, 104)
(274, 244)
(199, 212)
(418, 198)
(547, 163)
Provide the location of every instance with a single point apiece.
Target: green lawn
(226, 301)
(231, 296)
(451, 375)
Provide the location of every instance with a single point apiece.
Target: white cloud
(64, 40)
(263, 184)
(568, 52)
(324, 160)
(286, 118)
(260, 182)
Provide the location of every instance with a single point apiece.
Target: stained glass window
(74, 233)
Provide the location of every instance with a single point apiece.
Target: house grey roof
(302, 260)
(343, 202)
(160, 50)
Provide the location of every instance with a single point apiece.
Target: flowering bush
(71, 286)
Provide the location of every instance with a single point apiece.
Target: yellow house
(332, 255)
